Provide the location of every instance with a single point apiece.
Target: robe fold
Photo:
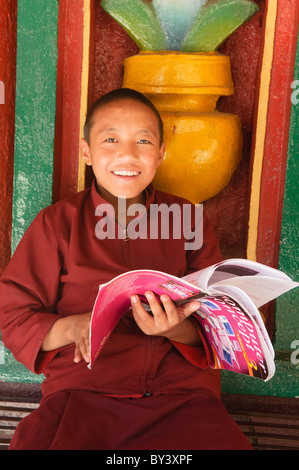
(143, 392)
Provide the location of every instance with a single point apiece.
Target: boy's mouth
(126, 172)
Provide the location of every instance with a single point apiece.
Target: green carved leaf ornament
(148, 26)
(217, 22)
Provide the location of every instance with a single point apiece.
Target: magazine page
(202, 278)
(260, 282)
(238, 267)
(234, 339)
(252, 311)
(229, 269)
(260, 289)
(114, 300)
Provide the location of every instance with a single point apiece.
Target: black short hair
(120, 94)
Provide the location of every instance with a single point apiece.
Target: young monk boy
(151, 387)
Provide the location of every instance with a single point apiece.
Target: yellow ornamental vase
(203, 146)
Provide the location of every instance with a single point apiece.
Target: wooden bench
(270, 423)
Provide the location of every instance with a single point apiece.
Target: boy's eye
(110, 139)
(143, 141)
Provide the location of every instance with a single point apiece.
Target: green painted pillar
(35, 111)
(287, 307)
(285, 382)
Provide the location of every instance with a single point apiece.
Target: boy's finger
(82, 350)
(190, 307)
(87, 350)
(84, 347)
(77, 355)
(156, 307)
(170, 308)
(139, 311)
(144, 319)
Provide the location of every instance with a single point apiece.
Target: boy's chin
(112, 195)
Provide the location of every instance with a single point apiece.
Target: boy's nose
(128, 150)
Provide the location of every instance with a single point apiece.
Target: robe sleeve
(28, 294)
(199, 356)
(208, 254)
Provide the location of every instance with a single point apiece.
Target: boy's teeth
(126, 173)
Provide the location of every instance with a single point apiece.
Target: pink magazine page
(233, 339)
(114, 300)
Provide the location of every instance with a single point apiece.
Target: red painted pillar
(8, 27)
(277, 132)
(69, 68)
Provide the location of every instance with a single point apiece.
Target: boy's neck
(121, 210)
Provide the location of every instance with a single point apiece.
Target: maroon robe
(143, 392)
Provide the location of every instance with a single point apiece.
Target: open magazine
(229, 292)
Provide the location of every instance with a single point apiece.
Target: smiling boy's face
(124, 149)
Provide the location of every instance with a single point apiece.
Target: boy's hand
(68, 330)
(172, 322)
(81, 337)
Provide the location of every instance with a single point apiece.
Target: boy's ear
(85, 152)
(162, 151)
